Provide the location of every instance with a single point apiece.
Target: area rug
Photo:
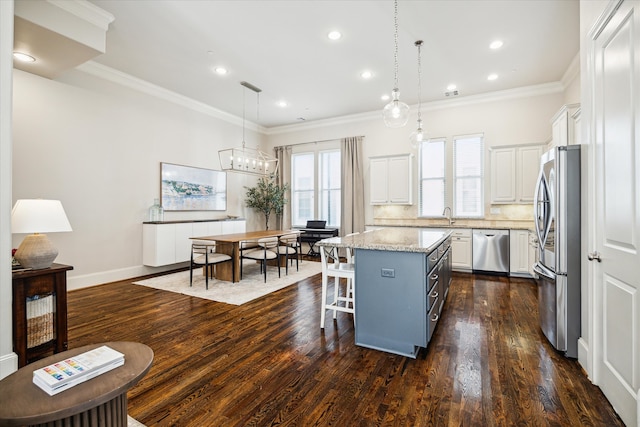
(251, 286)
(131, 422)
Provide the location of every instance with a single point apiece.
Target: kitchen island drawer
(432, 319)
(432, 296)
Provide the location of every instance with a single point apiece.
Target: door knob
(594, 256)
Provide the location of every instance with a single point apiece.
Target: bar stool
(332, 267)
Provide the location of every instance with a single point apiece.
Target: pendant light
(396, 112)
(246, 159)
(419, 135)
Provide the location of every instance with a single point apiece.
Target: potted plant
(267, 197)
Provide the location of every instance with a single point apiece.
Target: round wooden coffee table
(99, 401)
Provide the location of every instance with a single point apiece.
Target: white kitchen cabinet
(461, 250)
(170, 243)
(533, 252)
(519, 253)
(563, 126)
(503, 175)
(514, 171)
(391, 180)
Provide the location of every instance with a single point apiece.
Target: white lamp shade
(39, 216)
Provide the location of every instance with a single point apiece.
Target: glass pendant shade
(418, 136)
(396, 112)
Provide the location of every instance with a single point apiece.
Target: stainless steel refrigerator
(557, 223)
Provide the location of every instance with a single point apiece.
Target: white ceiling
(281, 47)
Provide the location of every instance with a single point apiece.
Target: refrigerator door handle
(543, 271)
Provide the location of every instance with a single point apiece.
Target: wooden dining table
(230, 244)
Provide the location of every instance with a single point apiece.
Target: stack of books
(67, 373)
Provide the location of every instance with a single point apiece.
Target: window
(302, 185)
(330, 187)
(462, 188)
(316, 195)
(468, 161)
(432, 178)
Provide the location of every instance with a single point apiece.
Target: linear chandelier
(246, 159)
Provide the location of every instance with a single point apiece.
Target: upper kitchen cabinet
(514, 170)
(391, 179)
(563, 126)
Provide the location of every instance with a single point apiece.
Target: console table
(39, 312)
(100, 401)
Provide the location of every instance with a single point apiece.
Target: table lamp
(37, 216)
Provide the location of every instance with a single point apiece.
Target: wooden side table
(100, 401)
(39, 312)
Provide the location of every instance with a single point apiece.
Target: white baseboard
(583, 357)
(8, 364)
(93, 279)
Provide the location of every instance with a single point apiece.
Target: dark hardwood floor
(267, 362)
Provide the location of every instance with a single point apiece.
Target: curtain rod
(315, 142)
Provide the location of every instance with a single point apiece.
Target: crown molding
(572, 72)
(522, 92)
(110, 74)
(86, 11)
(127, 80)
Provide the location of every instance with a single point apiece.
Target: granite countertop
(462, 223)
(391, 239)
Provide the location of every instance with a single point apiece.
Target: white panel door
(617, 158)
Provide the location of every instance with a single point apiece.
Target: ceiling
(282, 48)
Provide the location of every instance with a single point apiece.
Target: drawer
(432, 296)
(432, 259)
(432, 320)
(461, 233)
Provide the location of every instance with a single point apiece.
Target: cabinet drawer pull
(435, 318)
(435, 294)
(434, 277)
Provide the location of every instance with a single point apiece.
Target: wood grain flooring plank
(268, 363)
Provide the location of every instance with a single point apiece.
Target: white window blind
(468, 170)
(432, 177)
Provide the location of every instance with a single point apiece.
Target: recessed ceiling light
(221, 70)
(492, 76)
(334, 35)
(366, 74)
(451, 87)
(385, 97)
(282, 104)
(496, 44)
(23, 57)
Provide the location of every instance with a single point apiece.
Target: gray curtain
(283, 154)
(352, 215)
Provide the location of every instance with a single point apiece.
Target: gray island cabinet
(401, 283)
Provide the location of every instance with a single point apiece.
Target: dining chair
(289, 248)
(333, 267)
(265, 251)
(203, 254)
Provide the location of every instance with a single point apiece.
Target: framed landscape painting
(186, 188)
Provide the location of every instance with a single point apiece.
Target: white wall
(8, 359)
(504, 120)
(97, 147)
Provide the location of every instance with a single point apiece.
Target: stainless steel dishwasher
(491, 251)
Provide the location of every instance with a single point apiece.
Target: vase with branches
(267, 197)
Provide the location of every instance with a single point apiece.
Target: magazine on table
(69, 372)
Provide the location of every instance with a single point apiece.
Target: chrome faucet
(444, 213)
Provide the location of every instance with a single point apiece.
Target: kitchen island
(401, 283)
